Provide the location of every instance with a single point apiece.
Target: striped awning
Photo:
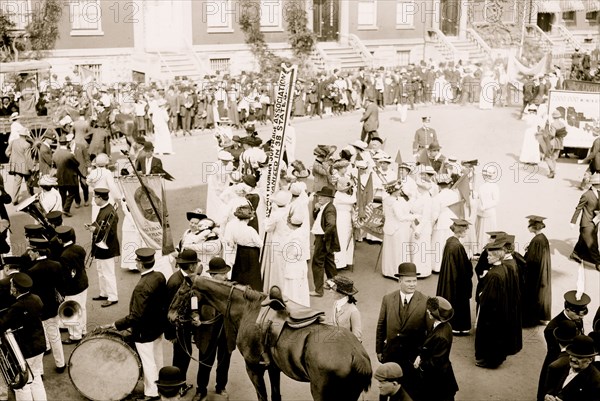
(572, 5)
(592, 5)
(548, 6)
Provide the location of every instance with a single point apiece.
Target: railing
(535, 31)
(359, 47)
(164, 62)
(203, 68)
(474, 37)
(446, 48)
(567, 35)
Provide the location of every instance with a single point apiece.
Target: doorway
(450, 17)
(326, 20)
(544, 21)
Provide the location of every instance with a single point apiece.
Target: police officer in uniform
(424, 137)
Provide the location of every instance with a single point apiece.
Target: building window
(405, 13)
(220, 64)
(569, 16)
(17, 11)
(86, 17)
(402, 57)
(218, 15)
(89, 72)
(367, 14)
(592, 16)
(271, 15)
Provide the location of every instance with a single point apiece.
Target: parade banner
(581, 86)
(373, 220)
(142, 203)
(282, 110)
(580, 111)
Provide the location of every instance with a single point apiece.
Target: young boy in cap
(389, 376)
(146, 319)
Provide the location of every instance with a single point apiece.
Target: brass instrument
(105, 226)
(33, 207)
(14, 367)
(69, 313)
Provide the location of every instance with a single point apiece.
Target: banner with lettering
(283, 103)
(372, 221)
(143, 202)
(581, 86)
(580, 111)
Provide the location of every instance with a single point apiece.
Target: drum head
(104, 368)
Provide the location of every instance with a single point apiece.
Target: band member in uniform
(25, 318)
(47, 283)
(105, 228)
(147, 319)
(72, 260)
(181, 336)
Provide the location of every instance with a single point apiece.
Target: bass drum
(103, 367)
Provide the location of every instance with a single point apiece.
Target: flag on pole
(398, 158)
(282, 110)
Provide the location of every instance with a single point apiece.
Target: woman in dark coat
(456, 273)
(439, 382)
(247, 242)
(537, 292)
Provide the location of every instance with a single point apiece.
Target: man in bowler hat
(402, 325)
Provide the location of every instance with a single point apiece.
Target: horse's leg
(256, 374)
(275, 379)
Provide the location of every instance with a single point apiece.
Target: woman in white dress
(423, 206)
(299, 206)
(344, 201)
(396, 230)
(442, 215)
(49, 197)
(489, 86)
(295, 268)
(217, 183)
(488, 200)
(162, 135)
(101, 177)
(530, 149)
(276, 228)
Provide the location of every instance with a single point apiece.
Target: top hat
(388, 371)
(22, 280)
(566, 331)
(575, 304)
(440, 308)
(144, 255)
(344, 285)
(326, 191)
(195, 214)
(218, 266)
(187, 256)
(407, 269)
(582, 347)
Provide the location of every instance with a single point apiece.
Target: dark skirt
(246, 269)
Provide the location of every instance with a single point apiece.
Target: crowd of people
(436, 219)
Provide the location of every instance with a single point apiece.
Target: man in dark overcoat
(67, 174)
(326, 239)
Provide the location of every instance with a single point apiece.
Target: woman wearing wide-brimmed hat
(433, 362)
(49, 197)
(345, 314)
(244, 244)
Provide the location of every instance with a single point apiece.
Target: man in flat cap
(25, 318)
(402, 324)
(389, 375)
(147, 319)
(105, 229)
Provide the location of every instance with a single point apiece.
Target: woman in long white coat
(344, 201)
(162, 135)
(530, 148)
(422, 234)
(442, 216)
(489, 87)
(276, 228)
(299, 206)
(295, 268)
(217, 182)
(396, 230)
(488, 199)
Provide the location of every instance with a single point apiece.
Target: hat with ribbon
(344, 285)
(196, 214)
(440, 308)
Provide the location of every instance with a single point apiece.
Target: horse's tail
(362, 370)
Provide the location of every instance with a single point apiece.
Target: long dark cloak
(537, 292)
(514, 266)
(455, 283)
(493, 329)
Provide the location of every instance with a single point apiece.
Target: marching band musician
(105, 228)
(55, 220)
(24, 316)
(47, 283)
(147, 320)
(102, 177)
(72, 260)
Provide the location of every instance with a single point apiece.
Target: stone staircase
(341, 56)
(467, 50)
(181, 64)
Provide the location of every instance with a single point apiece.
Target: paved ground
(467, 133)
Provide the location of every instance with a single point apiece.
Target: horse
(330, 358)
(123, 124)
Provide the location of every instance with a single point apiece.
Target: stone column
(344, 22)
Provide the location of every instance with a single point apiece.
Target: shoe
(70, 341)
(77, 206)
(86, 203)
(222, 393)
(551, 175)
(486, 365)
(575, 257)
(106, 304)
(200, 397)
(67, 214)
(315, 294)
(184, 390)
(100, 298)
(148, 398)
(61, 369)
(48, 351)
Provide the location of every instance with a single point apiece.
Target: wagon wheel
(37, 131)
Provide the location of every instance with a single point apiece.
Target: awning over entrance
(572, 5)
(592, 5)
(548, 6)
